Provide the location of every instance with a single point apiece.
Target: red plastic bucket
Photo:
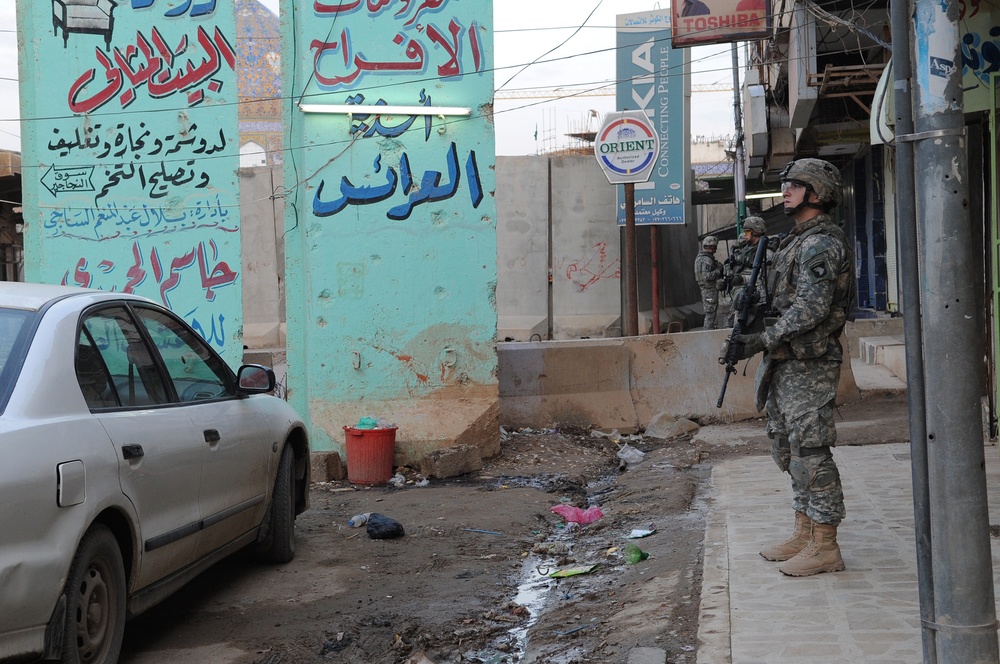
(370, 454)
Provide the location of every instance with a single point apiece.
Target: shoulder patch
(818, 269)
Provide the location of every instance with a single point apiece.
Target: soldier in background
(813, 286)
(739, 265)
(708, 272)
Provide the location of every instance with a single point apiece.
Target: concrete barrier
(622, 383)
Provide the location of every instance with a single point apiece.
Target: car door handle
(132, 451)
(212, 436)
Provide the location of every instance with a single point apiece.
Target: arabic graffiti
(115, 220)
(136, 142)
(219, 275)
(428, 189)
(155, 71)
(366, 125)
(968, 9)
(586, 272)
(214, 337)
(68, 178)
(156, 180)
(981, 54)
(332, 73)
(199, 9)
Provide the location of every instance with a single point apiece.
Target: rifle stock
(745, 303)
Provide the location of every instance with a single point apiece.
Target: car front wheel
(95, 600)
(279, 546)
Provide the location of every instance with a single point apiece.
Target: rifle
(745, 303)
(727, 281)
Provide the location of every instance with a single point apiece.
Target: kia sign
(626, 147)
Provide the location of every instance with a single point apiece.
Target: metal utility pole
(739, 167)
(909, 262)
(964, 606)
(906, 221)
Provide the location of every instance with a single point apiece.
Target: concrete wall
(137, 187)
(586, 256)
(390, 234)
(263, 258)
(622, 383)
(522, 248)
(584, 299)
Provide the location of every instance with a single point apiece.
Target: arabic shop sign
(626, 147)
(135, 150)
(653, 79)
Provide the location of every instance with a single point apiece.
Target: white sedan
(131, 459)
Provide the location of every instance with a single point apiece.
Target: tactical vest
(824, 336)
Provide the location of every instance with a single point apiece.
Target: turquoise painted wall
(130, 151)
(390, 219)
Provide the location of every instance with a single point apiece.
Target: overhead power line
(606, 91)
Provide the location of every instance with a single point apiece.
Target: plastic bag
(629, 454)
(577, 515)
(382, 527)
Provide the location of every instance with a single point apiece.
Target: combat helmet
(755, 225)
(710, 241)
(820, 176)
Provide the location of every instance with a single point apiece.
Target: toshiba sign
(718, 21)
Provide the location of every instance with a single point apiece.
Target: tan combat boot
(791, 547)
(821, 555)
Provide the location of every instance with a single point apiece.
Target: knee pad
(813, 469)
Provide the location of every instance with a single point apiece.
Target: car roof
(20, 295)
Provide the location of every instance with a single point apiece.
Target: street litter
(577, 515)
(634, 554)
(570, 631)
(382, 527)
(398, 480)
(629, 454)
(485, 532)
(640, 532)
(573, 571)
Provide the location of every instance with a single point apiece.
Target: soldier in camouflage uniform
(740, 263)
(707, 272)
(812, 283)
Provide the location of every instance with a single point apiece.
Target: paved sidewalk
(753, 614)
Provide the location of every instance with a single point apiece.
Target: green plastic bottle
(634, 554)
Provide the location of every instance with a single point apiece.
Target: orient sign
(626, 147)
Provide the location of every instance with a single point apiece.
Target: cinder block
(327, 466)
(451, 462)
(872, 348)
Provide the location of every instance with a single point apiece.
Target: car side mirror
(255, 379)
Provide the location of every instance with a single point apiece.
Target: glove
(749, 345)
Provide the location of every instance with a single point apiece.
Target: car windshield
(14, 328)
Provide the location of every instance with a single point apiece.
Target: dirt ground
(469, 581)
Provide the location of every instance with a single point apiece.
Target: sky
(525, 30)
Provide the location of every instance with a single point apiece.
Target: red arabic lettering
(150, 62)
(135, 273)
(220, 275)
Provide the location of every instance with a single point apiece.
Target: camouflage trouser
(710, 301)
(800, 424)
